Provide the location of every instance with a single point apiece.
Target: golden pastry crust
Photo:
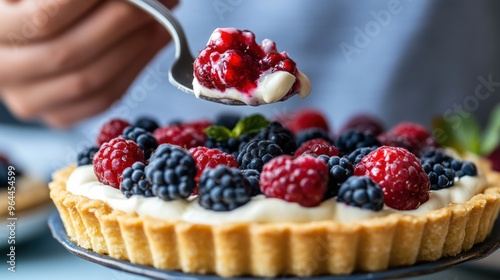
(29, 194)
(273, 249)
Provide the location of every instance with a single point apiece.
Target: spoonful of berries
(232, 69)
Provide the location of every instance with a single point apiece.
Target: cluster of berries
(294, 158)
(233, 59)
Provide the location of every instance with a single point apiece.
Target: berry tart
(233, 66)
(27, 192)
(272, 207)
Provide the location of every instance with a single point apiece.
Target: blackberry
(356, 155)
(353, 139)
(312, 133)
(231, 146)
(85, 156)
(339, 170)
(440, 177)
(146, 123)
(464, 168)
(223, 188)
(134, 181)
(280, 135)
(442, 169)
(256, 153)
(361, 192)
(144, 139)
(171, 171)
(253, 177)
(228, 120)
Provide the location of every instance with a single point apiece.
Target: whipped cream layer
(260, 209)
(270, 88)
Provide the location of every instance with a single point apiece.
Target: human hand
(65, 60)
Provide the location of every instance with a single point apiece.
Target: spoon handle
(163, 15)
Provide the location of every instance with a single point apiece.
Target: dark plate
(477, 252)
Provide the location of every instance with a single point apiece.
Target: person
(69, 63)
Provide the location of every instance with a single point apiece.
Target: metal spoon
(181, 72)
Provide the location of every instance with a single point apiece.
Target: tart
(27, 191)
(228, 228)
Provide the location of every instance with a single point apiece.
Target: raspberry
(494, 157)
(317, 147)
(280, 135)
(199, 125)
(223, 188)
(339, 169)
(361, 192)
(412, 131)
(302, 180)
(210, 158)
(353, 139)
(310, 134)
(113, 157)
(171, 171)
(111, 129)
(417, 135)
(85, 156)
(144, 139)
(185, 137)
(399, 173)
(146, 123)
(256, 153)
(306, 119)
(364, 123)
(401, 141)
(134, 181)
(232, 59)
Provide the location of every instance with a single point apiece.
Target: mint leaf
(467, 137)
(219, 133)
(469, 134)
(249, 125)
(444, 134)
(491, 135)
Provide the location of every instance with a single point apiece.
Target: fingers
(110, 92)
(31, 100)
(32, 20)
(92, 36)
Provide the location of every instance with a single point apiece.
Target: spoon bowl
(181, 72)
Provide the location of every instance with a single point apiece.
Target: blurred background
(395, 60)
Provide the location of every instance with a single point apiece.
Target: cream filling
(260, 209)
(270, 88)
